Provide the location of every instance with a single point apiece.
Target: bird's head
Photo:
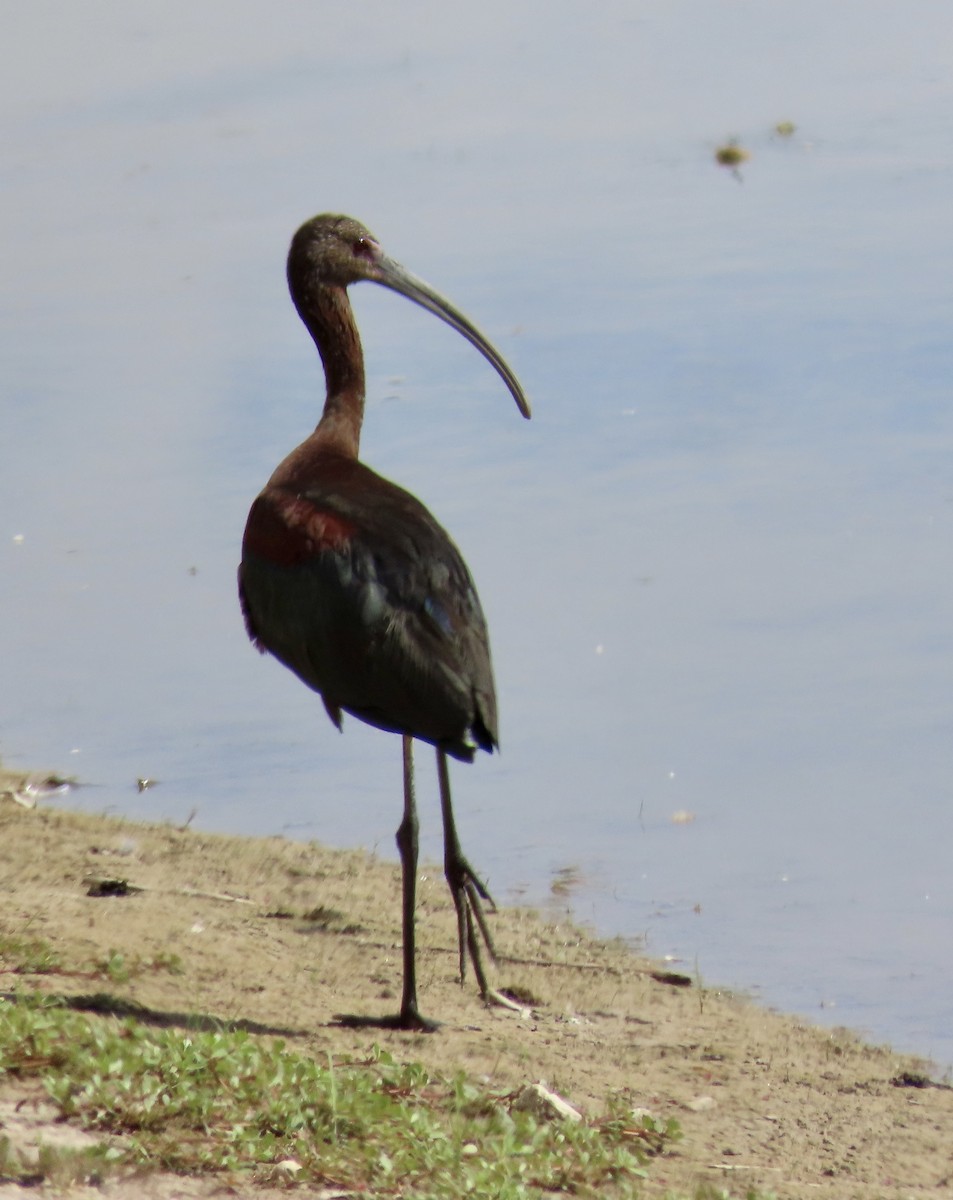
(331, 251)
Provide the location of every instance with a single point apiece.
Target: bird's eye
(364, 247)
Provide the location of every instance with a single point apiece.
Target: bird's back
(352, 584)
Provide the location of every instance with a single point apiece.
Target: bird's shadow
(107, 1005)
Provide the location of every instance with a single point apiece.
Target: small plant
(28, 955)
(323, 916)
(113, 967)
(63, 1166)
(117, 968)
(165, 961)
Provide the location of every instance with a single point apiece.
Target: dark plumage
(350, 582)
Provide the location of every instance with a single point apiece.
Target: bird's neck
(330, 320)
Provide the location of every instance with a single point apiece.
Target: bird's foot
(411, 1019)
(469, 893)
(408, 1019)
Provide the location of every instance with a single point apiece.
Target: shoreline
(286, 936)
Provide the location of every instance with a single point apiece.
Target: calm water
(717, 563)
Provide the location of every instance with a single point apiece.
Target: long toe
(472, 926)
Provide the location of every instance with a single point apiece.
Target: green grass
(118, 969)
(25, 955)
(227, 1101)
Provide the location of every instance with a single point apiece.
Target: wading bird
(350, 582)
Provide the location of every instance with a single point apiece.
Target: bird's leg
(409, 1016)
(466, 887)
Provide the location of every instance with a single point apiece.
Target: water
(716, 564)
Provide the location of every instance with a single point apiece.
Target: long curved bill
(392, 275)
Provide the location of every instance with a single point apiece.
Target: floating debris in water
(732, 155)
(682, 817)
(566, 880)
(785, 129)
(26, 788)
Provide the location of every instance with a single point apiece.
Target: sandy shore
(287, 936)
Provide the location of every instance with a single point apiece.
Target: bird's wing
(368, 600)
